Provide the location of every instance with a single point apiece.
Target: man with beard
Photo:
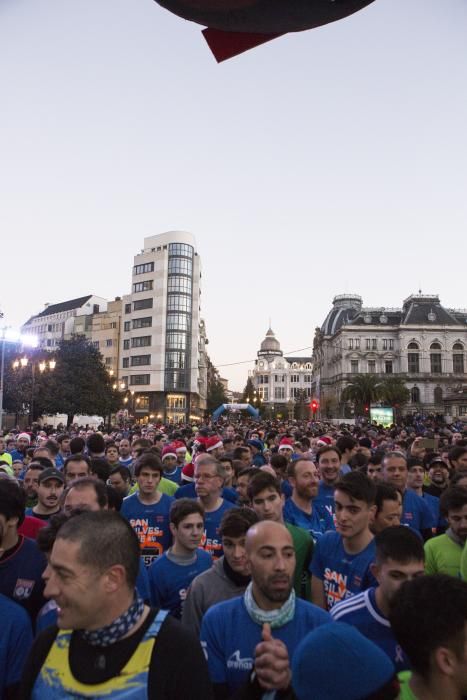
(328, 459)
(49, 490)
(443, 553)
(299, 509)
(259, 631)
(438, 471)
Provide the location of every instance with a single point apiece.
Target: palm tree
(394, 392)
(363, 390)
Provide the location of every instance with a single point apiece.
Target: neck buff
(275, 618)
(105, 636)
(238, 579)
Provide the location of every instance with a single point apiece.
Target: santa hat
(324, 440)
(25, 436)
(169, 451)
(213, 443)
(286, 444)
(179, 446)
(188, 472)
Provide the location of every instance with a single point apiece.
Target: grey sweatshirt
(210, 587)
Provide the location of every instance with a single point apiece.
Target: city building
(163, 336)
(57, 321)
(103, 329)
(283, 384)
(423, 341)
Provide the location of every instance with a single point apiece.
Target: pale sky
(324, 162)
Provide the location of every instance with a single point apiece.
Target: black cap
(51, 474)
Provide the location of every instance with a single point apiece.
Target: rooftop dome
(344, 308)
(270, 345)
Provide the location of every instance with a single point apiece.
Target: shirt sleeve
(430, 564)
(212, 647)
(18, 646)
(427, 517)
(316, 565)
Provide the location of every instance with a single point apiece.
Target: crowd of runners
(235, 560)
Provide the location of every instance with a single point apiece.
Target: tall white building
(163, 336)
(422, 341)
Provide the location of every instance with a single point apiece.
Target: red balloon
(263, 16)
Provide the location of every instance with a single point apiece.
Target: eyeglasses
(205, 477)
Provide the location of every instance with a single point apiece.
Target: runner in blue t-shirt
(341, 561)
(148, 510)
(172, 573)
(300, 509)
(399, 557)
(262, 628)
(15, 642)
(209, 479)
(415, 511)
(328, 459)
(172, 470)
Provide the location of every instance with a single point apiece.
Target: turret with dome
(270, 347)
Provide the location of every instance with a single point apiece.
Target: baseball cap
(51, 474)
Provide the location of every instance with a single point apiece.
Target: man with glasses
(209, 481)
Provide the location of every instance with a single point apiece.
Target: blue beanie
(256, 443)
(335, 661)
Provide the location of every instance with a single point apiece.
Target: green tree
(363, 390)
(248, 392)
(215, 389)
(394, 392)
(79, 384)
(23, 384)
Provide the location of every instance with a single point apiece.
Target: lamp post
(42, 365)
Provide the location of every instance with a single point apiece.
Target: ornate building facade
(283, 384)
(422, 341)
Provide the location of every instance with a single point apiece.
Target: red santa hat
(179, 446)
(286, 444)
(324, 440)
(188, 472)
(213, 443)
(169, 451)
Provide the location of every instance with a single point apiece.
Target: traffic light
(367, 409)
(314, 406)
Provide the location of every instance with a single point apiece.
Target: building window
(388, 367)
(415, 394)
(126, 362)
(458, 363)
(142, 286)
(177, 302)
(145, 322)
(138, 379)
(95, 344)
(354, 366)
(175, 360)
(178, 322)
(175, 380)
(138, 360)
(435, 363)
(368, 343)
(176, 403)
(126, 344)
(176, 341)
(371, 366)
(108, 343)
(279, 393)
(374, 343)
(180, 266)
(438, 395)
(295, 392)
(263, 393)
(357, 343)
(294, 378)
(142, 269)
(278, 378)
(385, 344)
(141, 341)
(126, 326)
(263, 379)
(391, 344)
(181, 249)
(307, 378)
(142, 304)
(350, 343)
(179, 284)
(128, 308)
(413, 359)
(108, 360)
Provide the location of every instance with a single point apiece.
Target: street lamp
(42, 365)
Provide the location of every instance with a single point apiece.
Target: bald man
(259, 631)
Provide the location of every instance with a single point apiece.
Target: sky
(324, 162)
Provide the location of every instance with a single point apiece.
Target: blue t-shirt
(188, 491)
(169, 581)
(212, 541)
(416, 512)
(316, 523)
(229, 637)
(175, 475)
(286, 488)
(325, 497)
(343, 575)
(21, 575)
(151, 524)
(362, 612)
(15, 643)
